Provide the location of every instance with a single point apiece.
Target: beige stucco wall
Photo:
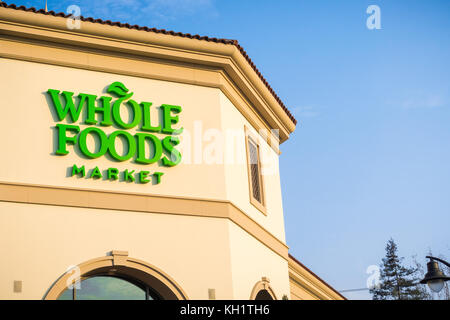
(236, 173)
(28, 121)
(250, 262)
(39, 243)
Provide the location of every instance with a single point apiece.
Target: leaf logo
(119, 89)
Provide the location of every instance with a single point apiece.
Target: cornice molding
(310, 282)
(135, 202)
(227, 60)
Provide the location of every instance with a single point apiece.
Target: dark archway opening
(117, 283)
(106, 287)
(263, 295)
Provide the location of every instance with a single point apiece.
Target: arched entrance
(116, 276)
(109, 287)
(263, 291)
(263, 295)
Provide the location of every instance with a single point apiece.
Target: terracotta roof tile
(163, 31)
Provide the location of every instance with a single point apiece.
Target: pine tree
(397, 282)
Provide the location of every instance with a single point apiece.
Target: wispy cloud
(425, 101)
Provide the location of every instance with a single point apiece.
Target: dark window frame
(255, 178)
(149, 292)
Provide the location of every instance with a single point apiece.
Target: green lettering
(174, 156)
(112, 145)
(142, 177)
(113, 173)
(76, 170)
(63, 139)
(103, 142)
(128, 176)
(169, 120)
(105, 110)
(69, 107)
(137, 114)
(146, 123)
(158, 175)
(155, 147)
(96, 174)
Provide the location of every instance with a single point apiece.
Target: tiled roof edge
(163, 31)
(316, 276)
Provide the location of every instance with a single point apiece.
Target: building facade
(139, 160)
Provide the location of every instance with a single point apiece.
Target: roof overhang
(46, 38)
(303, 278)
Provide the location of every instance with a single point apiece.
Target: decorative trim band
(110, 200)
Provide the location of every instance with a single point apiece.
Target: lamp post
(434, 277)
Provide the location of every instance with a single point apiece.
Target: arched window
(107, 287)
(263, 291)
(115, 277)
(263, 295)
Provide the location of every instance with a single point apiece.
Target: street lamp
(434, 277)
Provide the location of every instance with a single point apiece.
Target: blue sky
(370, 158)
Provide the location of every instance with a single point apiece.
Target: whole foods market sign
(144, 147)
